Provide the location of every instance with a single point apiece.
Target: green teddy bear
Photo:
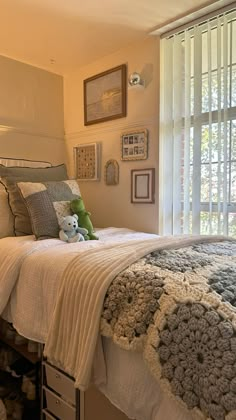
(77, 207)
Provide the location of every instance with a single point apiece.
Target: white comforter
(31, 273)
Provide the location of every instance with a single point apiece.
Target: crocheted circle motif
(218, 248)
(223, 281)
(180, 260)
(131, 302)
(197, 354)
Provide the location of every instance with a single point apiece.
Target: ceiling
(62, 35)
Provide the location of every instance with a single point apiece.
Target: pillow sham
(6, 217)
(9, 178)
(26, 163)
(47, 202)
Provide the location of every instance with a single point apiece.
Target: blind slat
(219, 177)
(177, 117)
(225, 137)
(187, 126)
(197, 130)
(166, 151)
(209, 52)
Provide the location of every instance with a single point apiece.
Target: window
(198, 129)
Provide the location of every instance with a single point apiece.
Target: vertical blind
(198, 129)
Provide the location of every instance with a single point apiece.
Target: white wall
(31, 112)
(110, 205)
(32, 127)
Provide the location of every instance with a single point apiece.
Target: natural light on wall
(198, 129)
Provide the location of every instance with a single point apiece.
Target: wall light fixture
(135, 80)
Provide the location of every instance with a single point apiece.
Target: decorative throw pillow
(9, 178)
(6, 216)
(47, 202)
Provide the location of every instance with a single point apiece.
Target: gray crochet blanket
(179, 308)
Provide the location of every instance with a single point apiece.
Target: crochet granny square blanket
(178, 307)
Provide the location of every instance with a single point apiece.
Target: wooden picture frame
(105, 95)
(134, 145)
(143, 185)
(86, 161)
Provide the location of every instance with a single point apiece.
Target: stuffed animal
(70, 231)
(77, 206)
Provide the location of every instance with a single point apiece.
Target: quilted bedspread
(178, 307)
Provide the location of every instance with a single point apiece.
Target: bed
(149, 320)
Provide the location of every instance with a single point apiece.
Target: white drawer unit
(58, 406)
(47, 415)
(60, 383)
(60, 400)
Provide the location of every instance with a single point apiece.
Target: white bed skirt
(131, 387)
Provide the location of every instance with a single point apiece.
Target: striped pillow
(47, 202)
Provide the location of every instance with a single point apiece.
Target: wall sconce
(135, 80)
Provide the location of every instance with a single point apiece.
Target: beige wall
(110, 205)
(31, 112)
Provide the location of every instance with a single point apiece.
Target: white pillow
(6, 216)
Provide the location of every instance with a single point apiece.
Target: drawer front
(58, 407)
(48, 416)
(60, 383)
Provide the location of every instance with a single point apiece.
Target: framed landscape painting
(105, 96)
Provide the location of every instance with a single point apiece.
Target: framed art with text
(105, 96)
(143, 185)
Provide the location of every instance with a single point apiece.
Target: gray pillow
(47, 203)
(9, 178)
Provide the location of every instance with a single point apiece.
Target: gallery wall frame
(105, 95)
(143, 186)
(134, 145)
(87, 161)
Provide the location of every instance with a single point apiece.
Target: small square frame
(134, 145)
(143, 185)
(86, 161)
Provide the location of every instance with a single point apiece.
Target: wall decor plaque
(112, 172)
